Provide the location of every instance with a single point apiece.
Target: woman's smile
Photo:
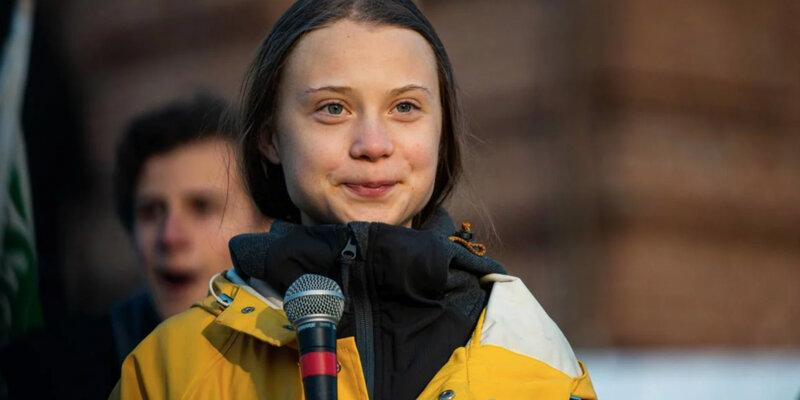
(370, 190)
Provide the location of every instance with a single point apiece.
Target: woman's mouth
(370, 189)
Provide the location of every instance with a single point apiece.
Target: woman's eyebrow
(407, 88)
(348, 89)
(337, 89)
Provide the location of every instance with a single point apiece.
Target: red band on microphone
(318, 363)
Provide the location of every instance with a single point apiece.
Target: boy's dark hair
(265, 180)
(160, 130)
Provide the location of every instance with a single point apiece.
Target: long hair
(264, 179)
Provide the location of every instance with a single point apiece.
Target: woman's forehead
(351, 54)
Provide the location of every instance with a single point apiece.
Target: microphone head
(313, 297)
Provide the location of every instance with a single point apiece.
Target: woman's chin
(383, 218)
(373, 215)
(348, 211)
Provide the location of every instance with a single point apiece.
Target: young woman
(351, 131)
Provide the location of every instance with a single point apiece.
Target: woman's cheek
(424, 156)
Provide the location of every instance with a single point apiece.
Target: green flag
(20, 309)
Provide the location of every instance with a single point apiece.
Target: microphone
(314, 305)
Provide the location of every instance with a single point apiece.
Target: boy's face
(189, 202)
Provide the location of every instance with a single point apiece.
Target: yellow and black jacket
(424, 318)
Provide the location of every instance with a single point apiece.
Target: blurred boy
(180, 197)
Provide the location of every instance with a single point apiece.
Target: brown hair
(265, 180)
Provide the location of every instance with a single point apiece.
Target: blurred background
(639, 161)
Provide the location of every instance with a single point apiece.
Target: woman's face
(359, 124)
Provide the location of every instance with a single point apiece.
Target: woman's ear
(269, 148)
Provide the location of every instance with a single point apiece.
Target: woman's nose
(372, 141)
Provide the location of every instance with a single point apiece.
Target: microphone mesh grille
(313, 304)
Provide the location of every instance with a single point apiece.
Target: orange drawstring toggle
(464, 238)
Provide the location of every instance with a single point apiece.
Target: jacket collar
(249, 313)
(440, 224)
(242, 309)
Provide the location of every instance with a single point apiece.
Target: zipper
(362, 309)
(348, 256)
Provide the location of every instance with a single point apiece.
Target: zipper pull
(349, 251)
(348, 256)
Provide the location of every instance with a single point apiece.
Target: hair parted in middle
(264, 179)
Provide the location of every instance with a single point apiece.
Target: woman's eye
(405, 107)
(334, 108)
